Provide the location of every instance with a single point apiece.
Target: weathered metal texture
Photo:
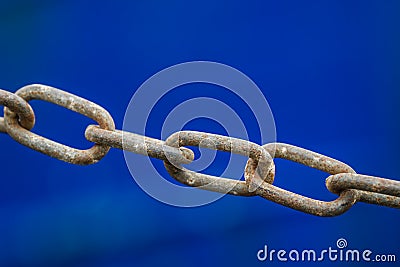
(2, 125)
(18, 105)
(263, 166)
(371, 189)
(52, 148)
(305, 204)
(307, 158)
(259, 173)
(138, 144)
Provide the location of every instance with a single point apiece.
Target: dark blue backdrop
(330, 71)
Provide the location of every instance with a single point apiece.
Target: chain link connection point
(259, 173)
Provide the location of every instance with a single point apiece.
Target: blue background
(329, 69)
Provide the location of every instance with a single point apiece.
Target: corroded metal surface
(138, 144)
(307, 158)
(52, 148)
(301, 203)
(259, 173)
(371, 189)
(2, 126)
(19, 106)
(305, 204)
(263, 167)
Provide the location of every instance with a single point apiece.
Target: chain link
(47, 146)
(26, 117)
(259, 173)
(314, 160)
(264, 166)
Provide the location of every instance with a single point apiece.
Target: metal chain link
(259, 173)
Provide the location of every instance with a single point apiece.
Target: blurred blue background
(329, 69)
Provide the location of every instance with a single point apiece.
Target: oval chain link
(302, 203)
(52, 148)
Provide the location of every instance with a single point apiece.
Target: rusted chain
(371, 189)
(26, 117)
(138, 144)
(264, 166)
(259, 173)
(305, 204)
(49, 147)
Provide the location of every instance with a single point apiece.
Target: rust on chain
(308, 205)
(52, 148)
(138, 144)
(259, 173)
(307, 158)
(264, 166)
(18, 105)
(2, 125)
(295, 201)
(373, 190)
